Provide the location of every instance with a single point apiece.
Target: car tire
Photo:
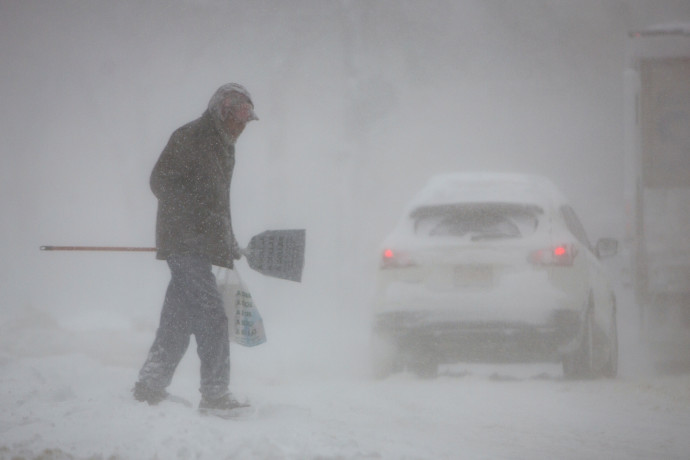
(579, 364)
(385, 357)
(611, 367)
(426, 369)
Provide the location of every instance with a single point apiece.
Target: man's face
(243, 112)
(239, 114)
(234, 126)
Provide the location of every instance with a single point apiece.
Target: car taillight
(394, 259)
(562, 255)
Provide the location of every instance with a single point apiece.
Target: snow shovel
(275, 253)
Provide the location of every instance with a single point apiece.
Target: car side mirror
(606, 247)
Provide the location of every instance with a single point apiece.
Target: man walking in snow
(194, 232)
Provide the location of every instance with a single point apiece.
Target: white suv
(493, 267)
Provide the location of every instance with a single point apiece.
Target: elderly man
(193, 232)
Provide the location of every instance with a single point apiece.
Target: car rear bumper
(438, 335)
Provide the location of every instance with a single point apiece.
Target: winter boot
(144, 393)
(225, 406)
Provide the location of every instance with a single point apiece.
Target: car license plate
(473, 276)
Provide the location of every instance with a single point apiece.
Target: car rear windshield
(477, 221)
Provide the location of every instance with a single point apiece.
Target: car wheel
(579, 364)
(385, 356)
(426, 369)
(611, 368)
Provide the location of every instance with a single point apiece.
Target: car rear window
(477, 221)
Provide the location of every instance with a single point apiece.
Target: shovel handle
(98, 248)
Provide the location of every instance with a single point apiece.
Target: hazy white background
(360, 102)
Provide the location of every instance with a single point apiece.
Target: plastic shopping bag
(246, 324)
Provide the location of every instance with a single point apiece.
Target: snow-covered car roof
(670, 28)
(487, 187)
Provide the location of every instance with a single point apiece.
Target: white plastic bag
(246, 324)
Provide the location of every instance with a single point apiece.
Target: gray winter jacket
(192, 183)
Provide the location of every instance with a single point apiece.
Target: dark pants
(192, 305)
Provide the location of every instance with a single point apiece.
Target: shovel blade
(278, 253)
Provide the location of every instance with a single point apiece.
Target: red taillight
(394, 259)
(563, 255)
(560, 251)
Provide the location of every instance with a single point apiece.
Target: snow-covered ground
(64, 393)
(359, 103)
